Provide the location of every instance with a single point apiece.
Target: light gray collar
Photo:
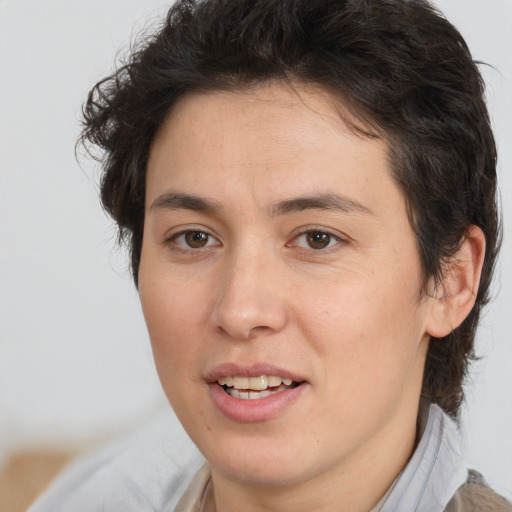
(436, 469)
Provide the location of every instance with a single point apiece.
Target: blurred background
(75, 361)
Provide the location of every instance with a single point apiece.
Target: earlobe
(456, 295)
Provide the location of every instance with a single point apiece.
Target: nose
(250, 301)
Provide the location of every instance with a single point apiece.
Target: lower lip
(261, 409)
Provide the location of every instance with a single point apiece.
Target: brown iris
(196, 239)
(317, 239)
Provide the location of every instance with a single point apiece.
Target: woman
(307, 189)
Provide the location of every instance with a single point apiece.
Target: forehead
(269, 101)
(267, 143)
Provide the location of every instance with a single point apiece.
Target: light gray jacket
(151, 471)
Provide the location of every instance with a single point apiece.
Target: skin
(347, 318)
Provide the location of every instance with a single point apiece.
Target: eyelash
(173, 240)
(318, 231)
(332, 242)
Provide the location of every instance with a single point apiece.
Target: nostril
(247, 334)
(260, 330)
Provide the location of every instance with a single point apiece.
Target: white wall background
(75, 361)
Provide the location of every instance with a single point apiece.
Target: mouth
(255, 388)
(255, 393)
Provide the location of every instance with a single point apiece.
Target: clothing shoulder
(147, 471)
(476, 496)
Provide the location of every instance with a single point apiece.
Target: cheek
(367, 330)
(174, 329)
(173, 317)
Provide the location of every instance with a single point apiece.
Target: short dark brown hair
(399, 66)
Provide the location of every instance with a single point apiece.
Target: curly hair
(402, 70)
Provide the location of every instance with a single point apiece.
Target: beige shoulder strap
(475, 496)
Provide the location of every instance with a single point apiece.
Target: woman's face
(280, 282)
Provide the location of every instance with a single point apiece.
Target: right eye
(194, 239)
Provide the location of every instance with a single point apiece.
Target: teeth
(226, 381)
(260, 383)
(249, 395)
(274, 381)
(260, 394)
(241, 382)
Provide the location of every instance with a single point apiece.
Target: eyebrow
(318, 202)
(177, 201)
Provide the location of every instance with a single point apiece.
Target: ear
(456, 294)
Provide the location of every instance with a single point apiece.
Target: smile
(254, 388)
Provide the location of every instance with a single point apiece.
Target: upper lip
(253, 370)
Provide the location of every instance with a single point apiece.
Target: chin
(263, 474)
(263, 461)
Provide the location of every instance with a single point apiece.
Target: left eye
(316, 240)
(194, 239)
